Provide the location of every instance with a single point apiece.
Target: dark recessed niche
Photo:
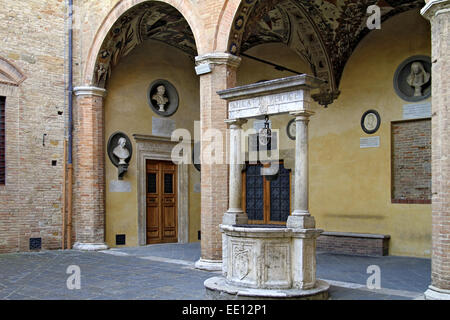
(60, 113)
(120, 239)
(35, 243)
(54, 163)
(199, 235)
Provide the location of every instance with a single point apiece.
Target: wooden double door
(161, 202)
(265, 201)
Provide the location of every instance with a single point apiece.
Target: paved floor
(165, 272)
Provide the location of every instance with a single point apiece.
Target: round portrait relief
(370, 121)
(163, 98)
(119, 149)
(412, 80)
(291, 129)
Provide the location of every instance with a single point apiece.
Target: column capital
(435, 7)
(204, 62)
(303, 114)
(236, 122)
(89, 91)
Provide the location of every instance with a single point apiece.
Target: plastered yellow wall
(127, 110)
(350, 188)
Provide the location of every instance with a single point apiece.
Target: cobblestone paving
(165, 272)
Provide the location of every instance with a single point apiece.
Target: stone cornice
(89, 91)
(435, 7)
(150, 138)
(299, 82)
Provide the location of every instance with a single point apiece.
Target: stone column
(89, 170)
(438, 12)
(235, 214)
(217, 72)
(300, 217)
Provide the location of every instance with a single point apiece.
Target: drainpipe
(70, 129)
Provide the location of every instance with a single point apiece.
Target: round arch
(186, 9)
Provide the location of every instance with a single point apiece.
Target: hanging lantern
(265, 134)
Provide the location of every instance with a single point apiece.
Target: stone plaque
(197, 188)
(371, 142)
(163, 127)
(119, 186)
(417, 111)
(278, 103)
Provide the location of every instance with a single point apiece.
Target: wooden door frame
(266, 190)
(161, 195)
(160, 149)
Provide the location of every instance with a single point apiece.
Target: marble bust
(370, 121)
(417, 78)
(160, 97)
(121, 151)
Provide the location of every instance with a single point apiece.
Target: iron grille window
(2, 141)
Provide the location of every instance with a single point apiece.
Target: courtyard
(166, 272)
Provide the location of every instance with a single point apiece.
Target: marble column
(300, 217)
(217, 72)
(89, 169)
(235, 214)
(438, 12)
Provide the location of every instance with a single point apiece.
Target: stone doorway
(153, 149)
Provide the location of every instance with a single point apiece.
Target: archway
(123, 36)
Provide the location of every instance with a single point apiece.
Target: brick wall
(411, 161)
(354, 244)
(33, 38)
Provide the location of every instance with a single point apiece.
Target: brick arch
(10, 74)
(224, 26)
(188, 11)
(238, 16)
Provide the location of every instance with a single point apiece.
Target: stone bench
(361, 244)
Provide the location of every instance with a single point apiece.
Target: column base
(217, 288)
(209, 265)
(232, 218)
(301, 221)
(90, 246)
(434, 293)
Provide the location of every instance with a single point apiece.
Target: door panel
(161, 202)
(254, 186)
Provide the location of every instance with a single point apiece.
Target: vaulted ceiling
(323, 32)
(148, 20)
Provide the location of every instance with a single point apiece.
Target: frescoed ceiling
(323, 32)
(149, 20)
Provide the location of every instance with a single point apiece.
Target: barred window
(2, 141)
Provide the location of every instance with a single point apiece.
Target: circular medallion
(412, 79)
(119, 149)
(370, 121)
(163, 98)
(291, 129)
